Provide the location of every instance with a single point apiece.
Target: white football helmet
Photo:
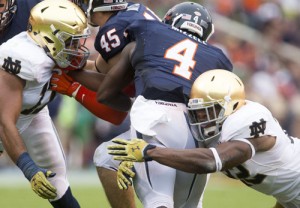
(214, 96)
(60, 28)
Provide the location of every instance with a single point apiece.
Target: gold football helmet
(214, 96)
(60, 28)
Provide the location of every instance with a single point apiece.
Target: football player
(112, 17)
(251, 145)
(26, 63)
(165, 60)
(14, 15)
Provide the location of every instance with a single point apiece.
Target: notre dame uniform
(275, 172)
(22, 57)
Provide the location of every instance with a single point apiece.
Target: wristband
(217, 159)
(26, 164)
(145, 155)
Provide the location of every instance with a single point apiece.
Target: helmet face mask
(74, 52)
(215, 95)
(62, 37)
(206, 119)
(7, 14)
(192, 18)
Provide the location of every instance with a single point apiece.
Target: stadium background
(261, 39)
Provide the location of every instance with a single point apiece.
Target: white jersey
(24, 58)
(274, 172)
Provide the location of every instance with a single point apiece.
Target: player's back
(167, 61)
(110, 38)
(20, 21)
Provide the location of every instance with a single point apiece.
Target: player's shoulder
(22, 56)
(242, 123)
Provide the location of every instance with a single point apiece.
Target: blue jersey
(167, 62)
(110, 39)
(20, 21)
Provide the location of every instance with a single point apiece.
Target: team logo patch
(258, 128)
(13, 67)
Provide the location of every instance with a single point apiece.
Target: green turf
(221, 193)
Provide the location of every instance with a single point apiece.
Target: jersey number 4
(184, 53)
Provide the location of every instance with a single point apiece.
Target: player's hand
(41, 186)
(125, 174)
(64, 84)
(133, 150)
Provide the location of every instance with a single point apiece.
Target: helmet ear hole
(48, 40)
(235, 106)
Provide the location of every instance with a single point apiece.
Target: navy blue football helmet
(192, 18)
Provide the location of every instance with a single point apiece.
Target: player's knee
(103, 159)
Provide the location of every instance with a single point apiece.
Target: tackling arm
(119, 76)
(65, 85)
(203, 160)
(197, 160)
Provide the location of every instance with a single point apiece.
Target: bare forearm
(12, 142)
(198, 160)
(90, 79)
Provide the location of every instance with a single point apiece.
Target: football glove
(134, 150)
(41, 186)
(64, 84)
(125, 174)
(37, 177)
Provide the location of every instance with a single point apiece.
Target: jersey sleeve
(249, 124)
(111, 40)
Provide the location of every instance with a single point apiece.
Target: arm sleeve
(88, 99)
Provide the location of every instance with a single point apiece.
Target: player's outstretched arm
(64, 84)
(197, 160)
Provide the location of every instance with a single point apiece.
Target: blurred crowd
(266, 59)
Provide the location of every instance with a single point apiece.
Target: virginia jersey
(20, 21)
(274, 172)
(110, 38)
(167, 62)
(22, 57)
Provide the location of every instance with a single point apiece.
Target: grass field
(221, 192)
